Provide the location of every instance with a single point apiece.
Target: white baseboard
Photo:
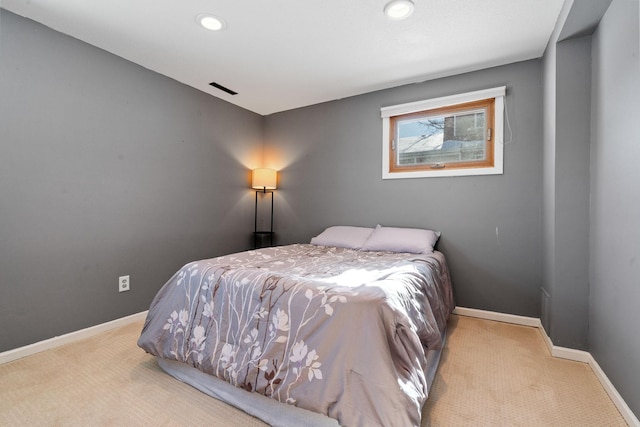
(500, 317)
(560, 352)
(626, 412)
(28, 350)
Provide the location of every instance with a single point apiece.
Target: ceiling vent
(222, 88)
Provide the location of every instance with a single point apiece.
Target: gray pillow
(343, 236)
(394, 239)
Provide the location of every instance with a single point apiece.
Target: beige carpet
(491, 374)
(497, 374)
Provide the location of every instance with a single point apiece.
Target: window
(451, 136)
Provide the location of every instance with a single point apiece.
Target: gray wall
(107, 169)
(567, 79)
(570, 296)
(614, 318)
(330, 157)
(566, 171)
(548, 176)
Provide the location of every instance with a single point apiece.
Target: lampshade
(263, 179)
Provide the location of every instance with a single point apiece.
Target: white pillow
(343, 236)
(393, 239)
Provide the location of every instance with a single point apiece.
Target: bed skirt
(270, 411)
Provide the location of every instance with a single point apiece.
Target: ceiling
(284, 54)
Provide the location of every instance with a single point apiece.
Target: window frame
(493, 165)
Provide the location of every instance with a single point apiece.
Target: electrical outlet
(123, 283)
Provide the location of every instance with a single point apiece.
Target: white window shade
(445, 101)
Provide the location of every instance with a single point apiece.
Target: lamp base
(260, 235)
(262, 239)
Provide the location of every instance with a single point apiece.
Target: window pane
(450, 138)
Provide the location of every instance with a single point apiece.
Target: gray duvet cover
(336, 331)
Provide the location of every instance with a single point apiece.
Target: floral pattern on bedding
(335, 331)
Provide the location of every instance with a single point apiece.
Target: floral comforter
(335, 331)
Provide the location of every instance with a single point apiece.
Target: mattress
(349, 335)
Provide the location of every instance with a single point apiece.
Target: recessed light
(399, 9)
(211, 22)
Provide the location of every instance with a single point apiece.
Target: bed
(307, 334)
